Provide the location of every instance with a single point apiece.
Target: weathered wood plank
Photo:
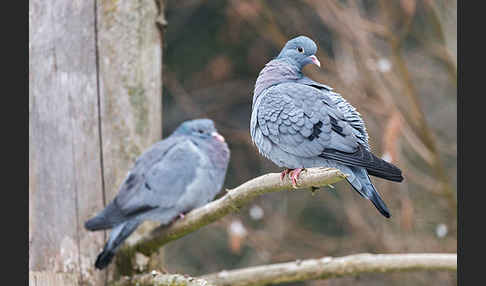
(47, 278)
(130, 63)
(64, 149)
(130, 74)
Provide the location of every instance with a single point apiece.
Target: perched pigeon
(180, 173)
(299, 123)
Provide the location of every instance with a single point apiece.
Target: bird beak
(315, 60)
(218, 136)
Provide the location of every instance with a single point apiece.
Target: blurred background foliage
(395, 61)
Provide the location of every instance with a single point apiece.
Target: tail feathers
(107, 218)
(117, 237)
(104, 258)
(361, 183)
(97, 223)
(391, 177)
(379, 204)
(365, 159)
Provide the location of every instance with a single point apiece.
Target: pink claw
(294, 175)
(283, 174)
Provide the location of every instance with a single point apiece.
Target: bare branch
(311, 269)
(328, 267)
(233, 200)
(157, 279)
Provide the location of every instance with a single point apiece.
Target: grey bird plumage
(182, 172)
(299, 123)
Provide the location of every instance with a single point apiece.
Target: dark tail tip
(104, 258)
(380, 205)
(95, 223)
(90, 225)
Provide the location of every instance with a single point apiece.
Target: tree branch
(157, 279)
(328, 267)
(311, 269)
(233, 200)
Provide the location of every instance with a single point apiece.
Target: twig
(328, 267)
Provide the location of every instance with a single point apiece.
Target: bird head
(300, 51)
(200, 128)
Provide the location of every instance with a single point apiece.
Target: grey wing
(307, 81)
(263, 142)
(306, 122)
(160, 182)
(350, 113)
(353, 117)
(303, 121)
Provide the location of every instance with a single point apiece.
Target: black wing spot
(320, 87)
(130, 182)
(316, 130)
(148, 186)
(335, 127)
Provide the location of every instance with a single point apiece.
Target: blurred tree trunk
(130, 53)
(95, 75)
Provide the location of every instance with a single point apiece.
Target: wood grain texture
(47, 278)
(130, 65)
(64, 151)
(93, 66)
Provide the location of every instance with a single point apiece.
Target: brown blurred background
(395, 61)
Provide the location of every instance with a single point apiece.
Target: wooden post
(130, 62)
(94, 105)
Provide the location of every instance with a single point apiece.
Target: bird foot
(181, 215)
(294, 175)
(284, 173)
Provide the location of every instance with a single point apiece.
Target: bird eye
(300, 49)
(200, 131)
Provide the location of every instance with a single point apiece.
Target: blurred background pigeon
(180, 173)
(299, 123)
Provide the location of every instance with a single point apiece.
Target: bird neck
(217, 152)
(276, 71)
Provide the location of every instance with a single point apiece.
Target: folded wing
(307, 122)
